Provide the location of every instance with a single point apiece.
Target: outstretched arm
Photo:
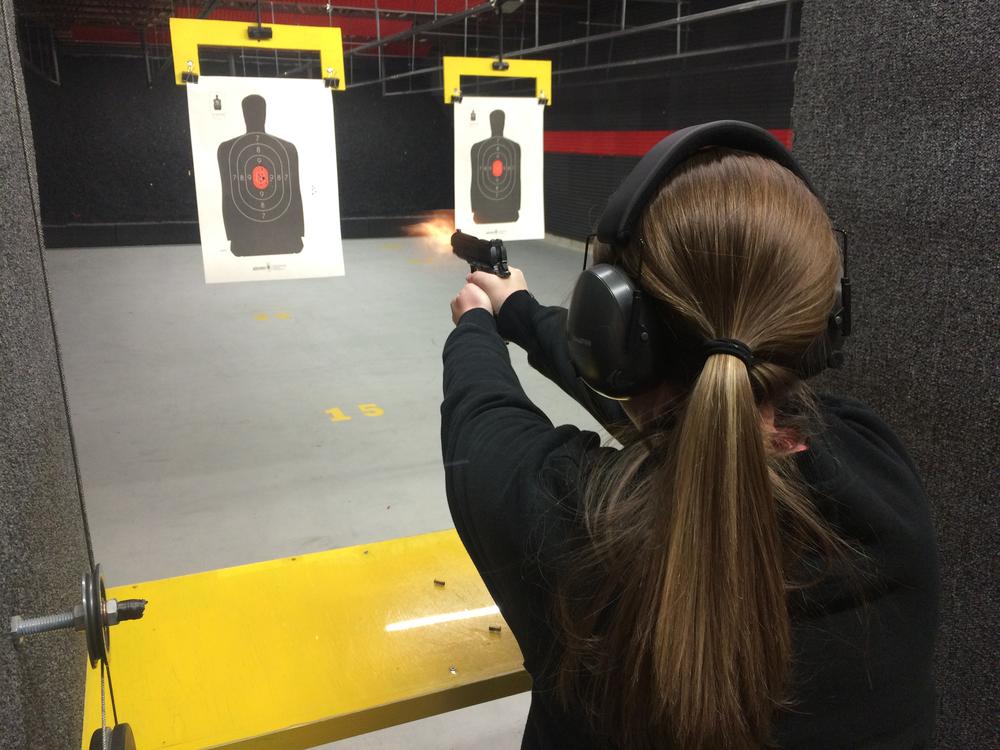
(494, 440)
(541, 332)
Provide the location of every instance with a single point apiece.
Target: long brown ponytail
(673, 608)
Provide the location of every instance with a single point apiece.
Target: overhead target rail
(188, 34)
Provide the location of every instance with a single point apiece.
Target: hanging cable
(259, 32)
(500, 64)
(111, 692)
(277, 66)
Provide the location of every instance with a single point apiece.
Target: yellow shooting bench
(305, 650)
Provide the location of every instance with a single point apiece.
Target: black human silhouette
(261, 197)
(496, 176)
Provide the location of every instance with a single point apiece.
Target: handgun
(481, 255)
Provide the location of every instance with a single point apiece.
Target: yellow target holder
(187, 34)
(456, 67)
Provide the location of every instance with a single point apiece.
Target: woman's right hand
(496, 288)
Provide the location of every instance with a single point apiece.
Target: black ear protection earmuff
(617, 340)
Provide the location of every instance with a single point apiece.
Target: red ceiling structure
(586, 39)
(127, 22)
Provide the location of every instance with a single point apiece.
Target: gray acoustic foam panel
(895, 119)
(42, 543)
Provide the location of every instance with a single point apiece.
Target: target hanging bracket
(187, 34)
(456, 67)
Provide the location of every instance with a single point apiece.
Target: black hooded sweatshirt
(861, 664)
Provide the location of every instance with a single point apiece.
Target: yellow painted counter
(296, 652)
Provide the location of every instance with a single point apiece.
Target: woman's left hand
(469, 298)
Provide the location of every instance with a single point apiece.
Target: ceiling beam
(207, 8)
(403, 35)
(744, 7)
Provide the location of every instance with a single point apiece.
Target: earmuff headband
(626, 204)
(616, 338)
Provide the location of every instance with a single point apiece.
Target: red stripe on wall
(619, 142)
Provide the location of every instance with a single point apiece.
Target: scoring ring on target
(490, 185)
(251, 196)
(260, 166)
(260, 154)
(246, 154)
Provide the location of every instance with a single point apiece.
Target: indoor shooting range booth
(224, 276)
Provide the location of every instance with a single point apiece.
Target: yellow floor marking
(260, 316)
(371, 410)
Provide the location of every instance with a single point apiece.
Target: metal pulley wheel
(95, 615)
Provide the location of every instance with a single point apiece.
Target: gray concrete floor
(201, 417)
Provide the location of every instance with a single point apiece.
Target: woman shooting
(755, 566)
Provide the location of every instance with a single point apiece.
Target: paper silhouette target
(266, 178)
(260, 186)
(496, 176)
(499, 167)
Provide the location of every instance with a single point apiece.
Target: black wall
(110, 149)
(114, 156)
(394, 153)
(749, 84)
(578, 185)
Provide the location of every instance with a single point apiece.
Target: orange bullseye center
(497, 167)
(261, 177)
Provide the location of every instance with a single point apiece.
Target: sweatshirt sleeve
(541, 332)
(495, 442)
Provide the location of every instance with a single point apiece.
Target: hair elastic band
(729, 346)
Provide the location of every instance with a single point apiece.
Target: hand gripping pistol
(481, 255)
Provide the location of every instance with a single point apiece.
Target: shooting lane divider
(187, 34)
(456, 67)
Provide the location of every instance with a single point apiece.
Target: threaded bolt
(20, 627)
(117, 611)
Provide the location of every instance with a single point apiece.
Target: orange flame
(436, 233)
